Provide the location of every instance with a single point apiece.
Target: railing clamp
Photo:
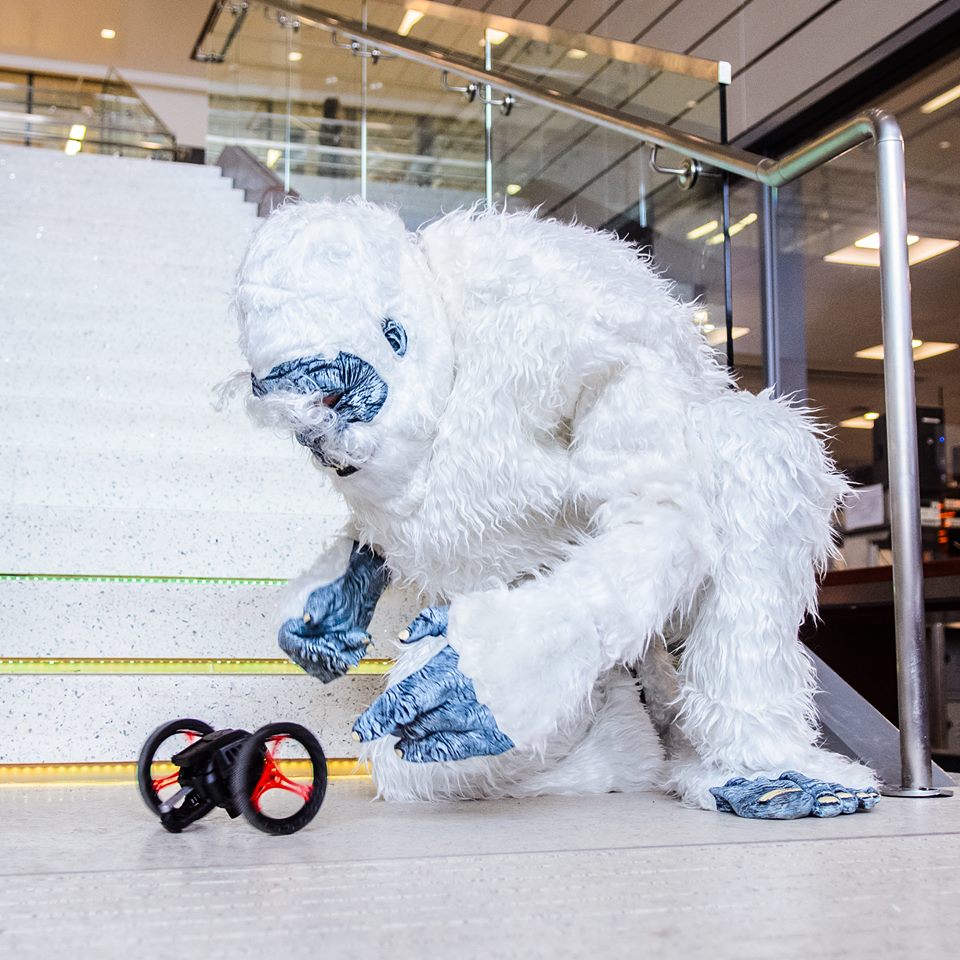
(506, 104)
(469, 91)
(687, 174)
(360, 49)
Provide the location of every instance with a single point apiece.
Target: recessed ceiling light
(333, 78)
(576, 54)
(921, 249)
(72, 147)
(78, 131)
(294, 55)
(410, 19)
(376, 85)
(273, 157)
(513, 189)
(948, 96)
(701, 315)
(858, 423)
(496, 37)
(697, 232)
(922, 350)
(871, 415)
(691, 104)
(108, 34)
(944, 144)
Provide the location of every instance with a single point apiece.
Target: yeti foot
(325, 657)
(790, 797)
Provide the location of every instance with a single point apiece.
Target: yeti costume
(532, 432)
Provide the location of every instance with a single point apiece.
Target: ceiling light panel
(920, 250)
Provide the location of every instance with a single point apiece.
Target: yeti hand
(434, 712)
(323, 654)
(790, 797)
(331, 637)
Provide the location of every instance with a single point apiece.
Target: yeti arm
(330, 636)
(535, 652)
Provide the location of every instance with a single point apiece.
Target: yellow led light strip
(32, 666)
(106, 774)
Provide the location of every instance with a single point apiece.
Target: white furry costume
(561, 459)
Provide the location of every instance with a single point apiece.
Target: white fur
(562, 458)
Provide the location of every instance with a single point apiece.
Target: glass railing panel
(79, 114)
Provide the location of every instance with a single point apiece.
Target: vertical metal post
(727, 248)
(488, 123)
(916, 775)
(938, 699)
(770, 296)
(363, 110)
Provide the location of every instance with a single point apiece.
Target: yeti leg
(746, 683)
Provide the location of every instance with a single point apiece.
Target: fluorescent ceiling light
(922, 350)
(273, 157)
(948, 96)
(294, 55)
(872, 241)
(718, 335)
(513, 189)
(72, 147)
(577, 54)
(858, 423)
(921, 249)
(410, 19)
(735, 228)
(78, 131)
(702, 230)
(108, 33)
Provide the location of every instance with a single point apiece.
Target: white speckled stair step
(51, 161)
(140, 380)
(71, 241)
(76, 419)
(83, 719)
(82, 618)
(86, 344)
(114, 479)
(184, 543)
(41, 224)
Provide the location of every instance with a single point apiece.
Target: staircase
(145, 537)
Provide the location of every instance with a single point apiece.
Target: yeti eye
(396, 335)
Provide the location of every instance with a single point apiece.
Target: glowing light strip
(115, 578)
(111, 774)
(33, 666)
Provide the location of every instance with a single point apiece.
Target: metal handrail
(883, 129)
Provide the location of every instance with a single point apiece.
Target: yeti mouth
(347, 385)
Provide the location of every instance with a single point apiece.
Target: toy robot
(276, 777)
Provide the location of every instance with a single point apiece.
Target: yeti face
(339, 392)
(342, 325)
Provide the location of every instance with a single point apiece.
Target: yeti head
(342, 327)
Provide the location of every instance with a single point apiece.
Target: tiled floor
(87, 872)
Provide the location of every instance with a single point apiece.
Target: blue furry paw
(430, 622)
(789, 797)
(435, 715)
(326, 656)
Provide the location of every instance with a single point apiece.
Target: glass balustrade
(336, 117)
(79, 114)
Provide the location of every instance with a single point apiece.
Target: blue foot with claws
(790, 797)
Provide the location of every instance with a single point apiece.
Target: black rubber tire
(165, 730)
(249, 766)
